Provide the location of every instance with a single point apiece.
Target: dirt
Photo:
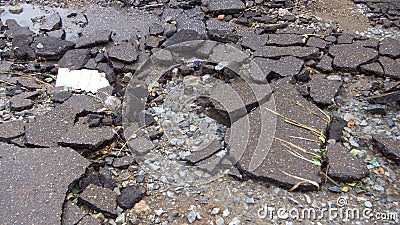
(342, 12)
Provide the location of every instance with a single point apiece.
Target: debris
(86, 80)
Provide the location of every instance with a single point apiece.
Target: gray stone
(34, 186)
(344, 166)
(97, 37)
(51, 47)
(297, 51)
(325, 64)
(225, 6)
(123, 51)
(390, 66)
(285, 39)
(322, 90)
(285, 66)
(131, 195)
(74, 59)
(390, 47)
(11, 130)
(350, 56)
(388, 146)
(100, 199)
(51, 22)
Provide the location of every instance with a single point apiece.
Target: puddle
(32, 17)
(25, 18)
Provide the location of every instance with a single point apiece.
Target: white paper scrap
(86, 80)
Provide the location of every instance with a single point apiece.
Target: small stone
(141, 206)
(120, 219)
(101, 199)
(15, 9)
(192, 216)
(234, 221)
(334, 189)
(226, 213)
(215, 211)
(221, 17)
(368, 204)
(130, 195)
(219, 221)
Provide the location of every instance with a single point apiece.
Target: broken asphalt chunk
(388, 146)
(72, 214)
(322, 90)
(390, 47)
(94, 38)
(100, 199)
(46, 130)
(35, 178)
(123, 51)
(80, 136)
(349, 57)
(51, 47)
(225, 6)
(11, 130)
(74, 59)
(131, 195)
(344, 166)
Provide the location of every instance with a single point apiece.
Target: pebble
(120, 219)
(192, 216)
(15, 9)
(219, 221)
(226, 213)
(368, 204)
(308, 198)
(334, 77)
(221, 17)
(250, 201)
(234, 221)
(159, 212)
(215, 211)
